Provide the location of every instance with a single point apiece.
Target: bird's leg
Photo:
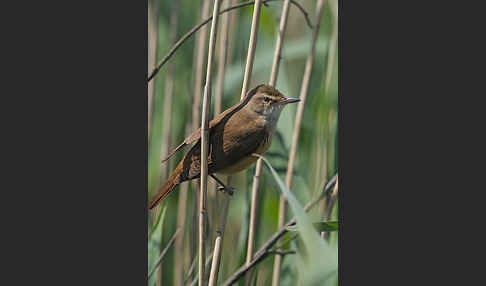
(223, 188)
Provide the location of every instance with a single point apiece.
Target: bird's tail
(166, 188)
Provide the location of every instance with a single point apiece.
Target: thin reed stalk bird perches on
(234, 135)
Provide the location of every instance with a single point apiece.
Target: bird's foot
(225, 189)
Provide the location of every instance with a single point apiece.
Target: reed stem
(196, 28)
(205, 141)
(199, 57)
(251, 47)
(153, 10)
(266, 248)
(246, 82)
(295, 136)
(258, 170)
(169, 92)
(218, 244)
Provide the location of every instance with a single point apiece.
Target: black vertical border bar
(79, 205)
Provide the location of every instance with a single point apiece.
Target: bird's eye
(267, 99)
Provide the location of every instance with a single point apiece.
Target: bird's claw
(229, 190)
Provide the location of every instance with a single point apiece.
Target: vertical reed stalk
(327, 81)
(258, 170)
(152, 57)
(195, 218)
(278, 46)
(218, 248)
(234, 16)
(332, 49)
(251, 47)
(218, 100)
(200, 56)
(205, 141)
(223, 45)
(253, 214)
(246, 81)
(221, 59)
(332, 124)
(181, 220)
(295, 136)
(169, 91)
(169, 88)
(212, 201)
(153, 10)
(178, 247)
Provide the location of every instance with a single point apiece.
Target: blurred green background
(316, 159)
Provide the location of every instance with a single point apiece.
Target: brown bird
(234, 135)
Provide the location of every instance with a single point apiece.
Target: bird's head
(267, 101)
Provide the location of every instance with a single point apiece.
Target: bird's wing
(221, 155)
(196, 135)
(244, 143)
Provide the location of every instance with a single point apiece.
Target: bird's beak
(290, 100)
